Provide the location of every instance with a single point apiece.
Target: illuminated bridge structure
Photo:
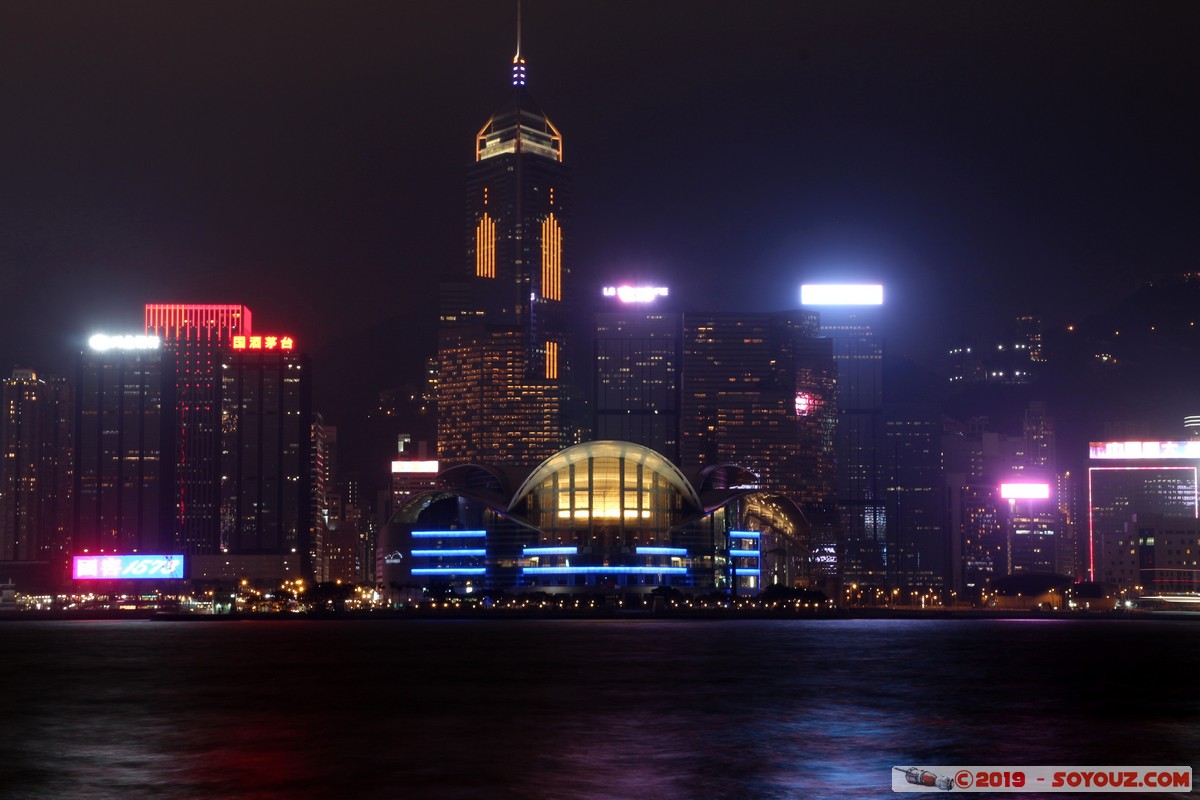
(597, 517)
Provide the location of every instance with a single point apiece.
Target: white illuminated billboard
(841, 294)
(102, 342)
(636, 294)
(1025, 491)
(415, 466)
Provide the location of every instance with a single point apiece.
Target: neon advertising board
(1145, 450)
(120, 568)
(636, 294)
(1025, 491)
(841, 294)
(257, 342)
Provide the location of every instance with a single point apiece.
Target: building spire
(518, 75)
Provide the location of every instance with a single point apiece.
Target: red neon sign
(263, 343)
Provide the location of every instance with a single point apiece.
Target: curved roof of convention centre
(609, 448)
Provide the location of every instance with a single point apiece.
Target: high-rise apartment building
(512, 302)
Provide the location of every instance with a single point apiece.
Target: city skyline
(299, 161)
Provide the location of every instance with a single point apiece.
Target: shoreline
(720, 614)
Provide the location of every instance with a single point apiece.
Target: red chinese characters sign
(263, 343)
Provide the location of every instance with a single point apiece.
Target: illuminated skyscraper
(125, 447)
(849, 316)
(758, 391)
(195, 336)
(638, 357)
(514, 296)
(35, 469)
(266, 429)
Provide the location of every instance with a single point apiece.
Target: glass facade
(599, 517)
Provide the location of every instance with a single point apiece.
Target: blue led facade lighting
(450, 571)
(738, 553)
(604, 570)
(550, 551)
(661, 551)
(744, 535)
(444, 553)
(448, 534)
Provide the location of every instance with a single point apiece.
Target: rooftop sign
(635, 294)
(1025, 491)
(102, 342)
(263, 343)
(841, 294)
(428, 467)
(1145, 450)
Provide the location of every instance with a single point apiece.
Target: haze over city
(982, 160)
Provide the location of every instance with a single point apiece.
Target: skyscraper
(512, 302)
(35, 469)
(195, 335)
(849, 318)
(125, 447)
(266, 427)
(638, 360)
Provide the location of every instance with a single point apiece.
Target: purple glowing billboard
(120, 568)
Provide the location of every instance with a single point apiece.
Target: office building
(196, 336)
(850, 318)
(35, 474)
(1129, 480)
(125, 428)
(637, 356)
(512, 303)
(265, 466)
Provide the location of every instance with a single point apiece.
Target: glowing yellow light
(485, 247)
(552, 243)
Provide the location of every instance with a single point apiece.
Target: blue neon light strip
(744, 534)
(550, 551)
(448, 534)
(733, 553)
(450, 571)
(439, 553)
(661, 551)
(741, 573)
(604, 570)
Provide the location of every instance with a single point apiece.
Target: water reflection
(576, 709)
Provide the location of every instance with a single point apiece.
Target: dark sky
(307, 159)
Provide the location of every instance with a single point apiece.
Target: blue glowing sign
(550, 551)
(604, 570)
(441, 553)
(107, 568)
(661, 551)
(450, 571)
(448, 534)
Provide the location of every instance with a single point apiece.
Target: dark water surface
(577, 709)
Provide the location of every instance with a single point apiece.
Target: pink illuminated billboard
(1025, 491)
(120, 568)
(1145, 450)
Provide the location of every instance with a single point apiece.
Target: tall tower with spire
(505, 372)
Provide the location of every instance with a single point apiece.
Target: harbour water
(577, 708)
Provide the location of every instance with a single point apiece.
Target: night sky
(307, 159)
